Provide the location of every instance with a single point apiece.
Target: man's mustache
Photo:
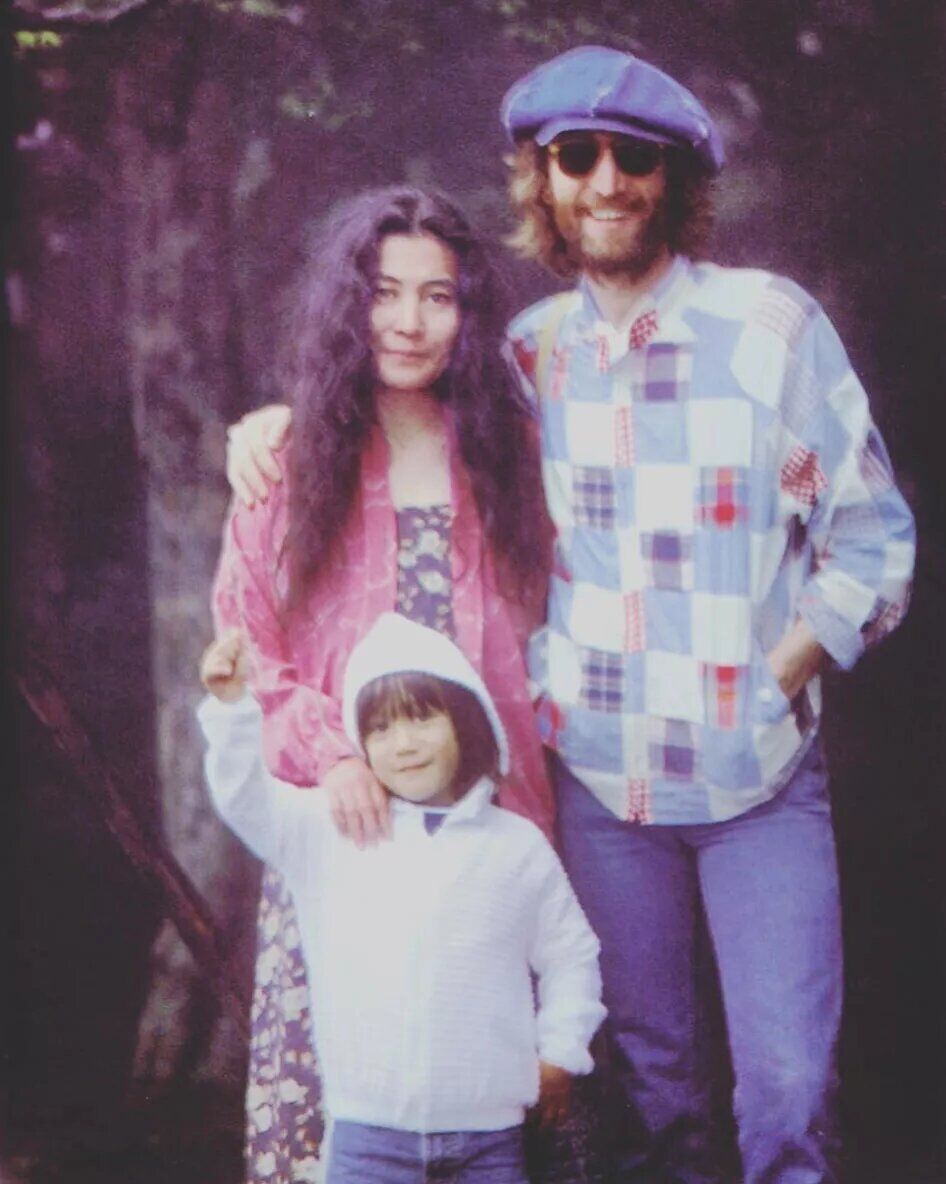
(633, 206)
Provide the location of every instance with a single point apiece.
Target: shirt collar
(473, 802)
(651, 319)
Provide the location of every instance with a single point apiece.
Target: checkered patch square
(638, 801)
(802, 476)
(667, 371)
(668, 561)
(602, 681)
(722, 686)
(802, 394)
(672, 750)
(723, 499)
(593, 497)
(643, 329)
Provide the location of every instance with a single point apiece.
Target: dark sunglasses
(577, 155)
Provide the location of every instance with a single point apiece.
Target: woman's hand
(223, 667)
(555, 1095)
(359, 803)
(251, 446)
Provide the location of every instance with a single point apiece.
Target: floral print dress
(284, 1122)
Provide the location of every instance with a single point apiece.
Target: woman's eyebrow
(437, 281)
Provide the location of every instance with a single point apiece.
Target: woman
(410, 481)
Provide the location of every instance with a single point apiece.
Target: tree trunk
(178, 157)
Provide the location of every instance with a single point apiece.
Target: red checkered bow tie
(643, 329)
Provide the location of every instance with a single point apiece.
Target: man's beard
(633, 259)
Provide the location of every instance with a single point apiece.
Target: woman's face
(415, 316)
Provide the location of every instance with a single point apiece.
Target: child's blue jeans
(362, 1154)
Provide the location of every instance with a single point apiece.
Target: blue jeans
(362, 1154)
(767, 885)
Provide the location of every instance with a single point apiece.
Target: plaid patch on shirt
(595, 504)
(672, 750)
(722, 700)
(667, 559)
(602, 681)
(723, 498)
(666, 374)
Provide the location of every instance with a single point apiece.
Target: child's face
(416, 759)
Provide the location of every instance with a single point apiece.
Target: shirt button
(766, 694)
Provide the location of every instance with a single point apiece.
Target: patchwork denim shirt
(713, 474)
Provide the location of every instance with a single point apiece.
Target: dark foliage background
(168, 160)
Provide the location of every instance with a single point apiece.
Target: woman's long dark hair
(327, 370)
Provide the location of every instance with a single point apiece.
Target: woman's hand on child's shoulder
(555, 1095)
(223, 667)
(359, 803)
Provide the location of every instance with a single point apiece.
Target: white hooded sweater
(419, 950)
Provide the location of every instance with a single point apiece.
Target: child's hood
(396, 645)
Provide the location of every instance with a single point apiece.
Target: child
(420, 950)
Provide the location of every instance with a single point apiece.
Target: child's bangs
(410, 695)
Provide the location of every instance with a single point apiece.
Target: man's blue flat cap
(605, 90)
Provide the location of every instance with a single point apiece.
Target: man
(727, 525)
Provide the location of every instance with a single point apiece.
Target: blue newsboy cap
(599, 89)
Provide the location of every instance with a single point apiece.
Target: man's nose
(605, 178)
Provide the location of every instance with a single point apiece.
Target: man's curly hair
(688, 211)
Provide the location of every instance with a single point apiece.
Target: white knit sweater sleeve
(280, 823)
(565, 959)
